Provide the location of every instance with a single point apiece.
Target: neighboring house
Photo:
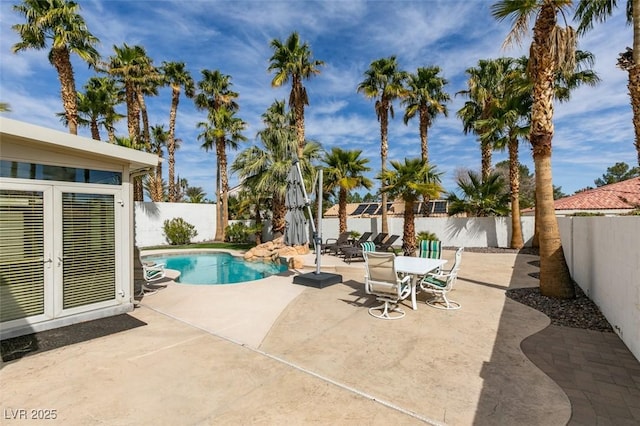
(66, 227)
(433, 208)
(611, 200)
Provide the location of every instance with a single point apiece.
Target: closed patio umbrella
(295, 232)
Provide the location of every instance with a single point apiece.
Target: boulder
(296, 262)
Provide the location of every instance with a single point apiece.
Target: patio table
(416, 267)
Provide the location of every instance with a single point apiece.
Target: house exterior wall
(21, 142)
(603, 255)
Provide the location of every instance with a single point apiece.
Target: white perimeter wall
(150, 217)
(452, 231)
(603, 254)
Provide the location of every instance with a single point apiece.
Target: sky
(593, 131)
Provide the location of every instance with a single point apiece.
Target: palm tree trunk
(95, 131)
(145, 121)
(299, 114)
(409, 237)
(61, 61)
(424, 126)
(634, 93)
(555, 280)
(224, 184)
(219, 202)
(384, 150)
(514, 181)
(171, 154)
(342, 210)
(258, 221)
(175, 98)
(279, 211)
(634, 75)
(486, 149)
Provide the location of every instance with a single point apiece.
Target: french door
(58, 246)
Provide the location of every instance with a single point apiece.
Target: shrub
(354, 234)
(426, 235)
(240, 233)
(178, 232)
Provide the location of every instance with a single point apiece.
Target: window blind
(22, 249)
(88, 261)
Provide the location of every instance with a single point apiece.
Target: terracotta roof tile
(621, 195)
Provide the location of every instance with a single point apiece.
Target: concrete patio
(273, 352)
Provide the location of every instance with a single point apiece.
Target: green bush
(178, 232)
(426, 235)
(354, 234)
(240, 233)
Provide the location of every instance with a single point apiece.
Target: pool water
(216, 268)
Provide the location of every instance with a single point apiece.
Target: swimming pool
(216, 267)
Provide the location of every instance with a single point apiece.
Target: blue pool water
(216, 268)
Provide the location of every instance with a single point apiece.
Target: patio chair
(386, 245)
(439, 284)
(151, 272)
(431, 249)
(379, 238)
(331, 245)
(351, 253)
(382, 280)
(363, 238)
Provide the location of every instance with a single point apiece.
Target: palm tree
(159, 138)
(426, 98)
(384, 81)
(223, 129)
(292, 60)
(177, 76)
(486, 89)
(216, 97)
(96, 107)
(59, 22)
(195, 194)
(507, 124)
(265, 169)
(5, 107)
(480, 197)
(107, 94)
(344, 170)
(409, 181)
(589, 11)
(552, 50)
(128, 66)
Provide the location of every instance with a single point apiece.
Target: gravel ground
(580, 312)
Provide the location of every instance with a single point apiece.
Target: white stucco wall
(453, 232)
(603, 255)
(150, 217)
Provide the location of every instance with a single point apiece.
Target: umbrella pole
(317, 236)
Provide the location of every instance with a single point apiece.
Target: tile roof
(620, 195)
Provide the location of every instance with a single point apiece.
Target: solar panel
(359, 209)
(379, 211)
(371, 208)
(439, 206)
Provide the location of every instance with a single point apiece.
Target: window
(19, 170)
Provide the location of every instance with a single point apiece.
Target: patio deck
(273, 352)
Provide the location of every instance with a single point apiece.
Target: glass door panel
(22, 271)
(88, 249)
